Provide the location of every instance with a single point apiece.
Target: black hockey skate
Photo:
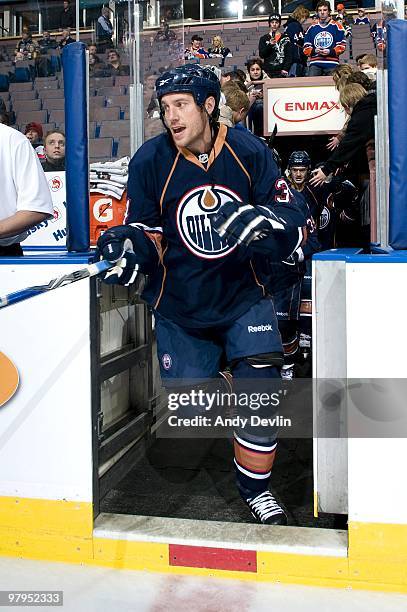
(266, 510)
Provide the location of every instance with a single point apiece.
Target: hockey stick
(29, 292)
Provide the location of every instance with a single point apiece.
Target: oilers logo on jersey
(323, 40)
(194, 225)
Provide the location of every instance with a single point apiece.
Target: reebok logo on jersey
(254, 329)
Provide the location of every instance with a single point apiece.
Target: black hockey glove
(117, 246)
(242, 223)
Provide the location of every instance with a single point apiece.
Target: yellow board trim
(378, 541)
(60, 517)
(59, 530)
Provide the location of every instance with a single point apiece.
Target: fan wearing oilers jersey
(324, 42)
(203, 200)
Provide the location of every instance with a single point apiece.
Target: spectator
(295, 31)
(24, 43)
(164, 33)
(254, 83)
(26, 197)
(104, 31)
(54, 149)
(324, 42)
(236, 106)
(65, 39)
(34, 133)
(67, 17)
(114, 65)
(368, 64)
(275, 49)
(314, 19)
(361, 17)
(362, 108)
(196, 50)
(46, 42)
(218, 49)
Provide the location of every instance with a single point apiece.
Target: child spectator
(236, 106)
(368, 64)
(361, 17)
(34, 133)
(196, 50)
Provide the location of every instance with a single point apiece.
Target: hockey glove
(117, 246)
(242, 223)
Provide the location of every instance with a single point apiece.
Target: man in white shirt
(26, 199)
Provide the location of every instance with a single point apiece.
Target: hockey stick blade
(25, 294)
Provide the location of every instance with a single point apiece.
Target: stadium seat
(58, 116)
(39, 116)
(4, 82)
(27, 95)
(53, 103)
(114, 129)
(124, 147)
(121, 101)
(22, 74)
(26, 105)
(122, 80)
(104, 114)
(47, 85)
(111, 91)
(18, 87)
(97, 102)
(51, 93)
(100, 149)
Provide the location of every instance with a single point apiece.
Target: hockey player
(332, 202)
(324, 42)
(208, 305)
(287, 277)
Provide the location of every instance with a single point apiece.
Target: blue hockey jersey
(319, 37)
(197, 279)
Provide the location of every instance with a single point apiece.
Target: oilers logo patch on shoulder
(194, 225)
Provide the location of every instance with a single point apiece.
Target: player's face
(55, 146)
(323, 13)
(187, 122)
(299, 174)
(255, 72)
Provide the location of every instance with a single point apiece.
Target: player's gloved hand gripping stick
(116, 245)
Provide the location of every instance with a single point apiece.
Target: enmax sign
(313, 109)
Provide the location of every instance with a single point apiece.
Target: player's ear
(209, 105)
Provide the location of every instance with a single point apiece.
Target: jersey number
(285, 195)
